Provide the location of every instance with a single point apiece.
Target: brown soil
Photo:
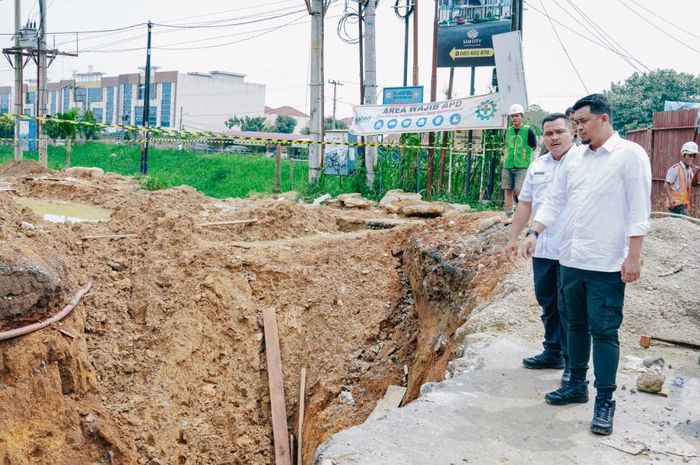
(168, 362)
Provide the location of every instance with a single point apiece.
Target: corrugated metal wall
(663, 143)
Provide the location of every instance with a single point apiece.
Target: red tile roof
(285, 110)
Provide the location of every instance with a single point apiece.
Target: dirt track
(168, 363)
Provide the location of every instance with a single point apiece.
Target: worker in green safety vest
(520, 141)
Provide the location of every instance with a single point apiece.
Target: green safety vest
(518, 153)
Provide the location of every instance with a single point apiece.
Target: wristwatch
(533, 233)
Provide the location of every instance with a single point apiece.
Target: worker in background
(558, 139)
(570, 114)
(603, 195)
(520, 141)
(679, 179)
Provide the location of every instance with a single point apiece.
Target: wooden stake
(228, 223)
(110, 236)
(274, 373)
(302, 397)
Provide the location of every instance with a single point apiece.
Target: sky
(273, 47)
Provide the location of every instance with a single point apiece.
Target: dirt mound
(22, 168)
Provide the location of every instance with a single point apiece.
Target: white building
(191, 101)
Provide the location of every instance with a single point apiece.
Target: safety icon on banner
(392, 123)
(487, 110)
(406, 123)
(438, 120)
(420, 122)
(455, 119)
(379, 124)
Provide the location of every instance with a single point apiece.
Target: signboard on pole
(465, 31)
(510, 70)
(412, 94)
(478, 112)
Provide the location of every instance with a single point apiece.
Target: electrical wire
(408, 7)
(258, 20)
(563, 47)
(605, 36)
(229, 11)
(658, 28)
(664, 19)
(599, 44)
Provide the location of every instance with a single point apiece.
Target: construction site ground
(163, 361)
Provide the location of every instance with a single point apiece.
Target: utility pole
(146, 104)
(370, 49)
(335, 88)
(433, 96)
(316, 90)
(40, 105)
(19, 84)
(415, 43)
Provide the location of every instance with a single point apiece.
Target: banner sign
(412, 94)
(479, 112)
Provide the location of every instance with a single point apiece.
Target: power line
(606, 36)
(563, 47)
(664, 19)
(599, 44)
(200, 26)
(658, 28)
(229, 11)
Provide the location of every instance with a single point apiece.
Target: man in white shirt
(558, 139)
(604, 189)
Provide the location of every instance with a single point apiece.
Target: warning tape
(218, 138)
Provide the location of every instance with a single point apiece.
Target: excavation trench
(163, 362)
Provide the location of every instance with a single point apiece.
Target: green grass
(216, 175)
(222, 175)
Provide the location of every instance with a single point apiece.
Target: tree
(534, 116)
(7, 128)
(635, 100)
(284, 124)
(62, 126)
(328, 123)
(248, 123)
(89, 130)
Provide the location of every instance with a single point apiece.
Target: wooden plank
(229, 223)
(274, 373)
(302, 398)
(392, 399)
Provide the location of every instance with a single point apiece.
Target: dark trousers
(549, 296)
(594, 302)
(680, 210)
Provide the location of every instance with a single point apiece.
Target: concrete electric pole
(335, 89)
(19, 86)
(370, 93)
(316, 90)
(40, 109)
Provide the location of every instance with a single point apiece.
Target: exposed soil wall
(167, 365)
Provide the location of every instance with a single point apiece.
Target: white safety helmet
(689, 147)
(515, 109)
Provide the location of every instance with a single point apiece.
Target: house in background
(301, 117)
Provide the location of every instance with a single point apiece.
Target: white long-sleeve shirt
(538, 179)
(606, 197)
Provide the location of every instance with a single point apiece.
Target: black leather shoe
(565, 377)
(542, 362)
(603, 416)
(575, 392)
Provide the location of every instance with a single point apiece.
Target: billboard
(478, 112)
(465, 30)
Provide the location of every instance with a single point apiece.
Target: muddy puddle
(64, 212)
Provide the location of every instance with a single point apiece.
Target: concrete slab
(494, 413)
